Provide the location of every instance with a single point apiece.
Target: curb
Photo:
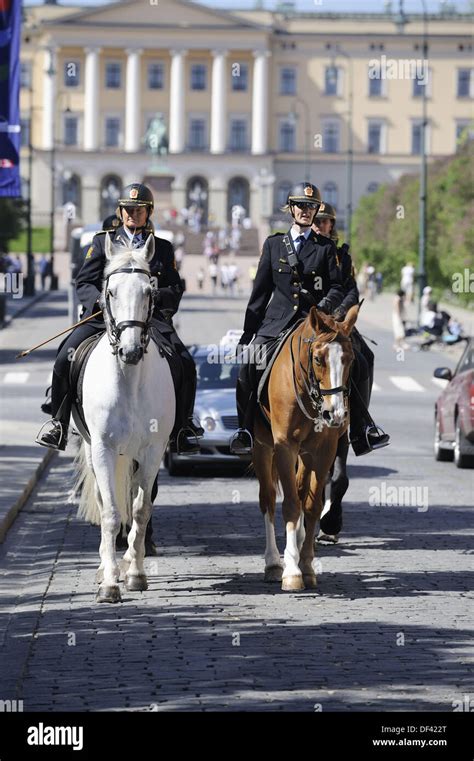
(13, 511)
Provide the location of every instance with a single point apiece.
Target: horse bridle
(315, 393)
(115, 329)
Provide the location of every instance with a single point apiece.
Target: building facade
(218, 108)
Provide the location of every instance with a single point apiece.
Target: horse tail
(85, 484)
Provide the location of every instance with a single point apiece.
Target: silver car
(215, 407)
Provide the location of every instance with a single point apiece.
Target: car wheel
(175, 468)
(461, 460)
(441, 455)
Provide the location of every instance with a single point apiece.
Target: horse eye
(317, 360)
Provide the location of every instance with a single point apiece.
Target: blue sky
(411, 6)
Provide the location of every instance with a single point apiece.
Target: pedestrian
(425, 300)
(371, 284)
(213, 271)
(407, 281)
(398, 319)
(43, 269)
(225, 280)
(179, 255)
(233, 272)
(200, 278)
(379, 282)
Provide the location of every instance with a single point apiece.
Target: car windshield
(213, 374)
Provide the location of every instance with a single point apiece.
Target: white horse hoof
(292, 583)
(273, 573)
(136, 583)
(108, 594)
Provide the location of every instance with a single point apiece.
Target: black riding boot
(365, 435)
(184, 437)
(61, 403)
(242, 441)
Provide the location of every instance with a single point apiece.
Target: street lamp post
(401, 20)
(54, 280)
(350, 138)
(30, 273)
(293, 114)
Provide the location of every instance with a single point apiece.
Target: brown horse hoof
(136, 583)
(292, 583)
(273, 573)
(309, 580)
(108, 594)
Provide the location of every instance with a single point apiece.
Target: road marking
(439, 382)
(16, 377)
(405, 383)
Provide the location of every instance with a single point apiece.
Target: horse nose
(132, 356)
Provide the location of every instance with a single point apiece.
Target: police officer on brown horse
(134, 209)
(297, 270)
(364, 434)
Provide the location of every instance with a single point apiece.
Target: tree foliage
(12, 219)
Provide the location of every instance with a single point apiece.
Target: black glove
(324, 307)
(339, 314)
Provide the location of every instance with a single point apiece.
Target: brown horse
(306, 402)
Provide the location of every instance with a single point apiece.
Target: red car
(454, 412)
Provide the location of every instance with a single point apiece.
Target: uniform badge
(89, 252)
(321, 208)
(308, 191)
(134, 193)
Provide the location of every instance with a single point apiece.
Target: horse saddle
(273, 349)
(81, 357)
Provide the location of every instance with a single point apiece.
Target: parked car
(454, 412)
(216, 409)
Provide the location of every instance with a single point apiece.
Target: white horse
(129, 406)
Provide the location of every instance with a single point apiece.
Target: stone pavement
(388, 628)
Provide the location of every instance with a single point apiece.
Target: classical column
(49, 97)
(91, 99)
(260, 102)
(218, 102)
(177, 116)
(132, 101)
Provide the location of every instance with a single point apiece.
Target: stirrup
(61, 445)
(242, 449)
(376, 430)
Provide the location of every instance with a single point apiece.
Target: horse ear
(314, 318)
(149, 249)
(350, 319)
(108, 246)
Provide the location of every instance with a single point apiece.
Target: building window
(156, 76)
(71, 73)
(112, 132)
(282, 193)
(197, 199)
(110, 192)
(198, 76)
(197, 134)
(25, 74)
(375, 138)
(288, 81)
(416, 137)
(331, 137)
(70, 130)
(113, 75)
(287, 137)
(372, 187)
(240, 77)
(25, 126)
(420, 83)
(238, 194)
(331, 80)
(375, 87)
(71, 191)
(330, 194)
(464, 130)
(238, 135)
(464, 83)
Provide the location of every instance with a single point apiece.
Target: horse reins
(315, 392)
(116, 329)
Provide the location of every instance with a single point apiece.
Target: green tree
(12, 220)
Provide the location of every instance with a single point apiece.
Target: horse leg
(302, 483)
(312, 508)
(263, 465)
(105, 464)
(143, 480)
(331, 518)
(286, 456)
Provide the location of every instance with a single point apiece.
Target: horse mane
(126, 257)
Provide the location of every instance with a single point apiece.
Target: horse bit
(116, 329)
(315, 392)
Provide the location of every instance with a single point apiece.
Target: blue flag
(10, 24)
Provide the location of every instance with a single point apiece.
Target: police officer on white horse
(134, 210)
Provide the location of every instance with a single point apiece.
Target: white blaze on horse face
(336, 401)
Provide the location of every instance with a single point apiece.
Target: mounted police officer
(297, 270)
(364, 434)
(131, 229)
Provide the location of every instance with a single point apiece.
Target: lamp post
(293, 115)
(401, 20)
(51, 72)
(30, 272)
(350, 137)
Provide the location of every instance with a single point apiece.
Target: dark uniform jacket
(162, 266)
(351, 291)
(276, 300)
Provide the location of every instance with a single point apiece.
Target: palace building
(219, 108)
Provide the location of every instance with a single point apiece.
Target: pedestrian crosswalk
(389, 384)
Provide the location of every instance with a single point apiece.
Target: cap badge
(308, 191)
(134, 193)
